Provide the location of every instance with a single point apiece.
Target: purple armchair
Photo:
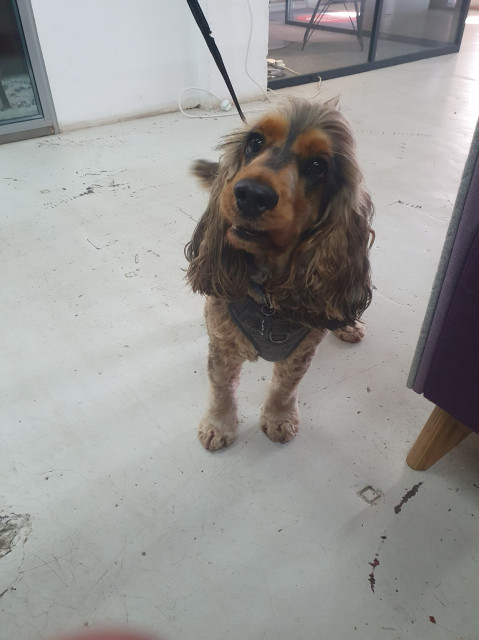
(446, 364)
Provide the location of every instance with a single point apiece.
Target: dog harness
(274, 337)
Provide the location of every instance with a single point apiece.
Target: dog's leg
(351, 333)
(219, 423)
(280, 416)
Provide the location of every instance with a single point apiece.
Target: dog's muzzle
(254, 198)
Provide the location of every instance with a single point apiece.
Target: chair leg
(309, 29)
(439, 435)
(359, 7)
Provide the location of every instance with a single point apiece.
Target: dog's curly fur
(289, 211)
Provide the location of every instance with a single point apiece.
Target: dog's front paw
(351, 333)
(280, 428)
(214, 434)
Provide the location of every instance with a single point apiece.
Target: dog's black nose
(254, 198)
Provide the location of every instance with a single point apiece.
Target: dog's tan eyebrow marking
(274, 128)
(312, 143)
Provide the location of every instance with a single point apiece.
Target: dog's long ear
(340, 263)
(330, 271)
(215, 268)
(205, 171)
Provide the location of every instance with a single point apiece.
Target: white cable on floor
(266, 92)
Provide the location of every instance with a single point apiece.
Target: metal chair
(322, 7)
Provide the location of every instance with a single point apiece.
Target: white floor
(111, 511)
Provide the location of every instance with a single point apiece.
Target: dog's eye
(254, 144)
(315, 168)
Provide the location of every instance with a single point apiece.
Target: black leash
(201, 21)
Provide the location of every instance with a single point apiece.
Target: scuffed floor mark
(369, 494)
(13, 528)
(366, 493)
(89, 191)
(410, 494)
(375, 563)
(411, 205)
(372, 579)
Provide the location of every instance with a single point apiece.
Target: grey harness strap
(272, 336)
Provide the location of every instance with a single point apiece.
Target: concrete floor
(111, 512)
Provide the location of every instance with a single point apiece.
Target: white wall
(112, 59)
(231, 23)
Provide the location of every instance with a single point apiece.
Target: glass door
(331, 38)
(26, 108)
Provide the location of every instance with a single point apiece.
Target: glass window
(18, 93)
(311, 36)
(413, 26)
(328, 38)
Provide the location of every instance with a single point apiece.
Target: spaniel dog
(281, 253)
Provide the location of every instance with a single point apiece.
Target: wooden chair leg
(439, 435)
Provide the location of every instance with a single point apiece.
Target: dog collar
(274, 337)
